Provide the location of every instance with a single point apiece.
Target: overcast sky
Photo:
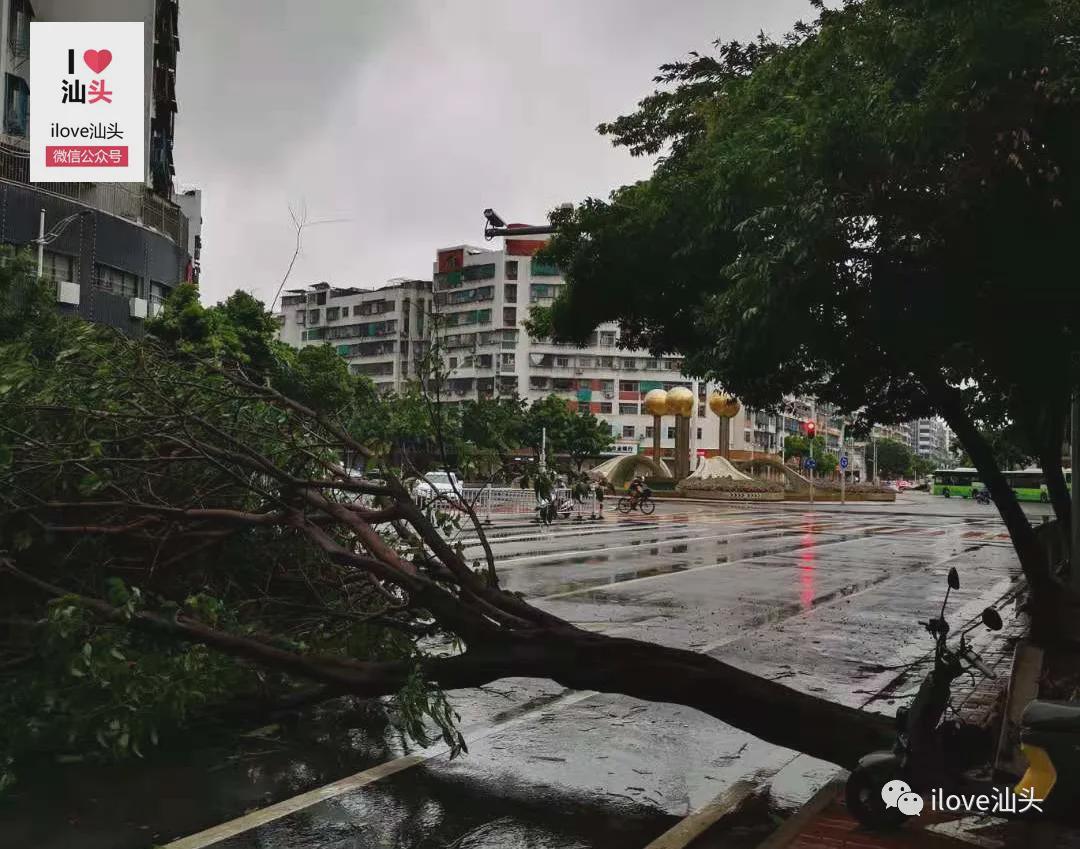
(407, 118)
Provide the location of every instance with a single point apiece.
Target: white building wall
(380, 332)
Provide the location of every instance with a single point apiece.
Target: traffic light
(811, 428)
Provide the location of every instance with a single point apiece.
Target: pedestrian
(600, 499)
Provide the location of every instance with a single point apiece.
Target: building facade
(382, 333)
(931, 439)
(482, 301)
(128, 247)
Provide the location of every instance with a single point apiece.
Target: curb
(793, 825)
(687, 830)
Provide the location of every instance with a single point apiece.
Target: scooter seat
(1051, 716)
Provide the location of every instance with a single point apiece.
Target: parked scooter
(933, 753)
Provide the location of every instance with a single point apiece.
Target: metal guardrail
(494, 502)
(132, 201)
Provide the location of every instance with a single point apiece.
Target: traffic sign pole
(811, 471)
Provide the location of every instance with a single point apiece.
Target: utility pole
(811, 443)
(543, 450)
(41, 244)
(876, 476)
(840, 462)
(1074, 439)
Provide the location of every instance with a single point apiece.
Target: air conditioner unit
(609, 395)
(137, 307)
(67, 293)
(154, 308)
(579, 371)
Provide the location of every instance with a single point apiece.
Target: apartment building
(931, 439)
(482, 300)
(382, 333)
(129, 246)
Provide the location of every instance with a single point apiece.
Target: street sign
(843, 462)
(810, 463)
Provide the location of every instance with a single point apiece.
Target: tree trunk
(1050, 441)
(1031, 555)
(768, 710)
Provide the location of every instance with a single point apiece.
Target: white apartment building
(482, 300)
(382, 333)
(931, 438)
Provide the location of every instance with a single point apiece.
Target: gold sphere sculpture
(680, 402)
(656, 402)
(725, 406)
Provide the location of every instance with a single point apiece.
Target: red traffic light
(810, 428)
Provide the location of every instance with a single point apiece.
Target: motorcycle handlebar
(977, 662)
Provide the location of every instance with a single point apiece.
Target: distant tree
(924, 466)
(797, 445)
(857, 212)
(896, 459)
(578, 434)
(1010, 448)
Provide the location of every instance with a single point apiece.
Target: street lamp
(44, 238)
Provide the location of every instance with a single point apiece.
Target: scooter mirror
(954, 578)
(992, 619)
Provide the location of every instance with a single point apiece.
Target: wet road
(824, 601)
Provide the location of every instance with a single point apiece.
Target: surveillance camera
(493, 218)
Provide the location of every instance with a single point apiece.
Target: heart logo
(97, 60)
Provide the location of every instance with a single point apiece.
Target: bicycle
(629, 503)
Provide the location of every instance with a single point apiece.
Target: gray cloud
(408, 118)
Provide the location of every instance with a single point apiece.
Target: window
(16, 106)
(585, 362)
(629, 362)
(118, 282)
(511, 269)
(628, 409)
(628, 431)
(605, 407)
(59, 267)
(607, 338)
(671, 433)
(507, 360)
(562, 362)
(605, 362)
(648, 431)
(699, 433)
(159, 292)
(301, 317)
(312, 316)
(509, 315)
(510, 293)
(628, 386)
(420, 317)
(453, 362)
(332, 313)
(344, 312)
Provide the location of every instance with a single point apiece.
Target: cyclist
(637, 488)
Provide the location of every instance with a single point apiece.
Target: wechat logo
(898, 794)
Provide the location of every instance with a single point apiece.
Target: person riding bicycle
(637, 489)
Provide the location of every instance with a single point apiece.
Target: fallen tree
(180, 533)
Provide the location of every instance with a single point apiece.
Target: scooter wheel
(862, 793)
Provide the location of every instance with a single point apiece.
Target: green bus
(961, 482)
(1027, 484)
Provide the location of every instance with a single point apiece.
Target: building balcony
(131, 201)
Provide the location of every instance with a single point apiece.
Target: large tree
(178, 534)
(877, 210)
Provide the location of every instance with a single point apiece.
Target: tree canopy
(877, 210)
(894, 458)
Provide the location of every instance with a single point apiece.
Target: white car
(437, 483)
